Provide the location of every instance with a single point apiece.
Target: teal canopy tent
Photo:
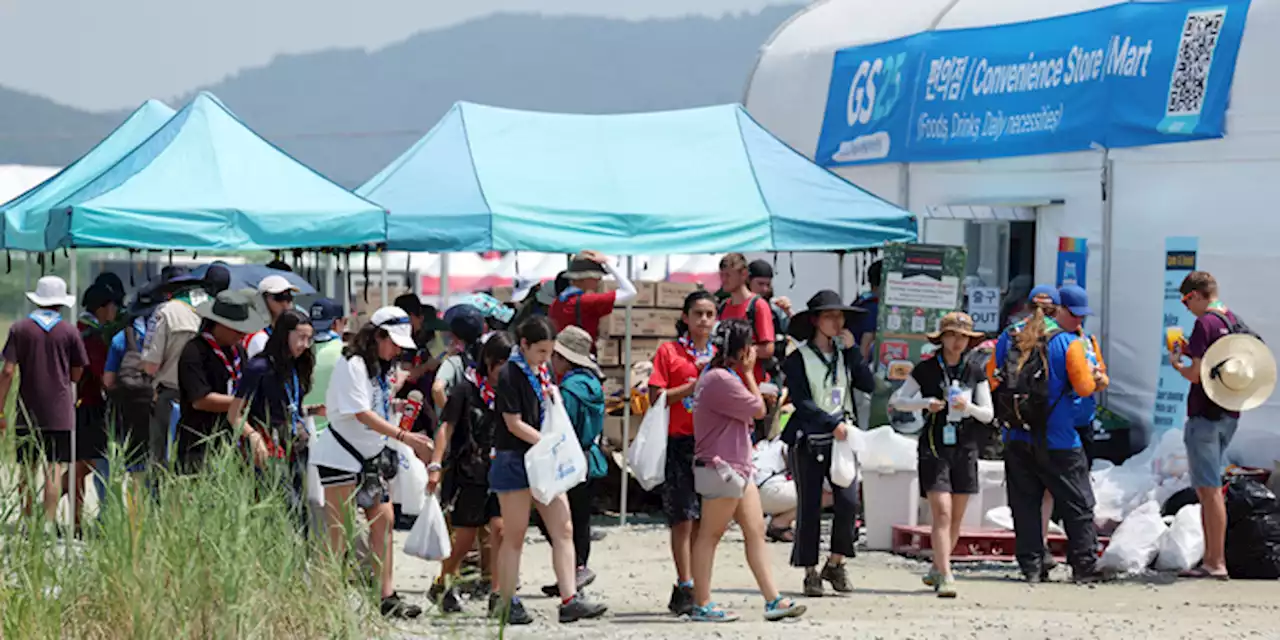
(205, 181)
(701, 180)
(26, 217)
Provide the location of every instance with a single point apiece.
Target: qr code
(1195, 56)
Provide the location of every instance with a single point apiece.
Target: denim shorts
(507, 472)
(1207, 442)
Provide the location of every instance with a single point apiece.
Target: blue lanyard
(385, 386)
(294, 394)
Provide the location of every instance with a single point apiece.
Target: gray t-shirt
(451, 372)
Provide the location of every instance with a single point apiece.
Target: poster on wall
(1073, 260)
(1125, 75)
(1170, 409)
(921, 284)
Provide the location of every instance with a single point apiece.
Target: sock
(685, 584)
(564, 601)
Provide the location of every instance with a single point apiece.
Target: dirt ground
(635, 578)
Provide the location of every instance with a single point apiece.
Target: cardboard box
(671, 295)
(613, 380)
(608, 352)
(645, 323)
(642, 349)
(646, 292)
(613, 429)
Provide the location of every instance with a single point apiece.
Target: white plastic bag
(408, 488)
(429, 537)
(1136, 541)
(556, 464)
(888, 451)
(1182, 547)
(647, 455)
(314, 490)
(844, 464)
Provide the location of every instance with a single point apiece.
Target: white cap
(275, 284)
(397, 324)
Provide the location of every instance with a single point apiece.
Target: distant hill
(348, 113)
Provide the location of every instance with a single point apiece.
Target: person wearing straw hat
(821, 376)
(1230, 370)
(581, 304)
(952, 389)
(51, 356)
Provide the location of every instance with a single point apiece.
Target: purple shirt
(723, 414)
(45, 360)
(1209, 328)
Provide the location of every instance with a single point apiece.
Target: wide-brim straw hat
(955, 322)
(802, 327)
(1238, 372)
(51, 291)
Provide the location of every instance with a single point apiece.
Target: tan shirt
(174, 325)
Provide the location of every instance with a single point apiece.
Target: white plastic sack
(1002, 518)
(1170, 455)
(1182, 547)
(408, 489)
(647, 455)
(556, 464)
(1136, 541)
(888, 451)
(313, 490)
(844, 463)
(429, 537)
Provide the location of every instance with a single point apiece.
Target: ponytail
(1030, 335)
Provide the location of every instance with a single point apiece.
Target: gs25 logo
(876, 88)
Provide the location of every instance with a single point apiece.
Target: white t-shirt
(351, 391)
(770, 461)
(256, 344)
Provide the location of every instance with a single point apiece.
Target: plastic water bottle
(728, 473)
(953, 393)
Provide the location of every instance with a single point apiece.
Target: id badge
(837, 397)
(231, 388)
(949, 434)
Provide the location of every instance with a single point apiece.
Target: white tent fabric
(16, 179)
(1221, 191)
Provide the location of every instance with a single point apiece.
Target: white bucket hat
(397, 324)
(1238, 372)
(51, 291)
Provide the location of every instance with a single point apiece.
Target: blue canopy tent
(703, 180)
(26, 217)
(205, 181)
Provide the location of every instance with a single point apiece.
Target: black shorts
(91, 431)
(38, 445)
(330, 477)
(680, 500)
(128, 424)
(953, 469)
(474, 506)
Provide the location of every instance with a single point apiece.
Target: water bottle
(953, 393)
(728, 473)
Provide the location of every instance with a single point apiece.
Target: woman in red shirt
(675, 371)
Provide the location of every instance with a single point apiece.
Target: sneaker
(931, 579)
(597, 535)
(582, 579)
(494, 599)
(783, 608)
(813, 584)
(514, 614)
(1033, 577)
(579, 608)
(947, 587)
(436, 590)
(1090, 575)
(681, 600)
(394, 607)
(452, 601)
(838, 576)
(712, 613)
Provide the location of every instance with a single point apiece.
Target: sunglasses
(287, 296)
(1186, 297)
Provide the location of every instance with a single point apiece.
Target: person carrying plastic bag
(525, 397)
(957, 397)
(821, 376)
(429, 537)
(675, 374)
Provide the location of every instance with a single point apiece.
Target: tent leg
(626, 407)
(330, 275)
(840, 271)
(71, 488)
(26, 275)
(346, 290)
(74, 282)
(444, 282)
(383, 276)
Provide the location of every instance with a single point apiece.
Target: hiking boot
(452, 601)
(681, 602)
(580, 609)
(582, 579)
(947, 586)
(1048, 563)
(514, 614)
(394, 607)
(838, 576)
(1033, 577)
(813, 584)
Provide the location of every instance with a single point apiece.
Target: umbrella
(247, 276)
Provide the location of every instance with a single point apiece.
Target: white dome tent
(1216, 190)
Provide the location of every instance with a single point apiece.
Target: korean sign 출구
(1126, 75)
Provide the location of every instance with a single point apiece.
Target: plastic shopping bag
(429, 537)
(408, 488)
(1182, 548)
(647, 456)
(556, 464)
(844, 464)
(1136, 541)
(314, 491)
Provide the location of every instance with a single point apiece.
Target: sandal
(782, 608)
(1200, 573)
(780, 534)
(712, 613)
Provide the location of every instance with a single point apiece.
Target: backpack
(590, 428)
(780, 325)
(1021, 398)
(133, 384)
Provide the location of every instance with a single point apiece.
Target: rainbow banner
(1073, 260)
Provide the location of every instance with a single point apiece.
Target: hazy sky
(106, 54)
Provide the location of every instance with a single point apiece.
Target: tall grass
(215, 555)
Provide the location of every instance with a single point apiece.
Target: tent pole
(26, 274)
(383, 268)
(840, 270)
(444, 281)
(626, 405)
(1108, 189)
(71, 468)
(330, 275)
(346, 291)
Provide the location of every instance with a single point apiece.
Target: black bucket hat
(802, 327)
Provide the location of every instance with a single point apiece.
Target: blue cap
(1074, 298)
(466, 322)
(323, 312)
(1044, 290)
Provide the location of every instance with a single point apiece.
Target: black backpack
(133, 385)
(1021, 398)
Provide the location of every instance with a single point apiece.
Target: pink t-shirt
(723, 414)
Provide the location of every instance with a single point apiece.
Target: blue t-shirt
(1062, 422)
(115, 353)
(866, 323)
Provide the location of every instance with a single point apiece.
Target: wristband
(434, 467)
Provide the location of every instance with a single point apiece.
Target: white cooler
(891, 499)
(991, 494)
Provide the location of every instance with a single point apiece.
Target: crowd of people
(759, 397)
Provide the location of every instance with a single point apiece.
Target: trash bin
(890, 499)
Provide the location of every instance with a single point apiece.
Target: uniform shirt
(174, 324)
(1209, 329)
(352, 391)
(515, 395)
(674, 366)
(200, 373)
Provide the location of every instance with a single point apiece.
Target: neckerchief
(1218, 305)
(481, 383)
(570, 292)
(231, 365)
(690, 348)
(326, 336)
(90, 320)
(46, 319)
(294, 394)
(541, 381)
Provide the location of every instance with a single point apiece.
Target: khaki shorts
(778, 496)
(708, 483)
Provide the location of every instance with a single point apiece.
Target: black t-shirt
(474, 425)
(934, 382)
(201, 372)
(515, 395)
(268, 397)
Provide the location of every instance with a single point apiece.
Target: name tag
(837, 396)
(949, 434)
